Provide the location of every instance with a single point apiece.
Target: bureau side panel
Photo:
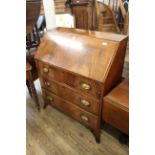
(115, 71)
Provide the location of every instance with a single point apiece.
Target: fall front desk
(77, 68)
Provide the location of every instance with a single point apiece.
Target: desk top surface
(79, 53)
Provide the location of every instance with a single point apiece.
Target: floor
(50, 132)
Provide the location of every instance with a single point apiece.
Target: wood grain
(89, 65)
(105, 18)
(115, 109)
(32, 13)
(72, 110)
(50, 132)
(83, 13)
(91, 57)
(72, 95)
(68, 78)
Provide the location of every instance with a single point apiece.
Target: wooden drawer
(84, 101)
(116, 116)
(74, 111)
(78, 82)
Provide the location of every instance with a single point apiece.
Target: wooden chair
(31, 70)
(30, 84)
(32, 12)
(33, 38)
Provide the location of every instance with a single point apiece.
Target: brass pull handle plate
(84, 118)
(85, 86)
(46, 70)
(47, 83)
(85, 102)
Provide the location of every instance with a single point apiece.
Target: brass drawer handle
(85, 102)
(46, 70)
(85, 86)
(47, 83)
(84, 118)
(49, 98)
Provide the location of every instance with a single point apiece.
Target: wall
(49, 11)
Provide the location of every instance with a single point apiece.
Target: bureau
(77, 68)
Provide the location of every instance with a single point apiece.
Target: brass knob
(84, 118)
(85, 102)
(46, 70)
(85, 86)
(49, 98)
(47, 83)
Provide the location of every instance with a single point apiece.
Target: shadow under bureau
(77, 68)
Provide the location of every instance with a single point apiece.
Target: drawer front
(116, 116)
(84, 101)
(72, 110)
(81, 83)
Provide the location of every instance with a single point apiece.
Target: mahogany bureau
(77, 68)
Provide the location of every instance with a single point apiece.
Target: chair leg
(34, 94)
(28, 87)
(31, 88)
